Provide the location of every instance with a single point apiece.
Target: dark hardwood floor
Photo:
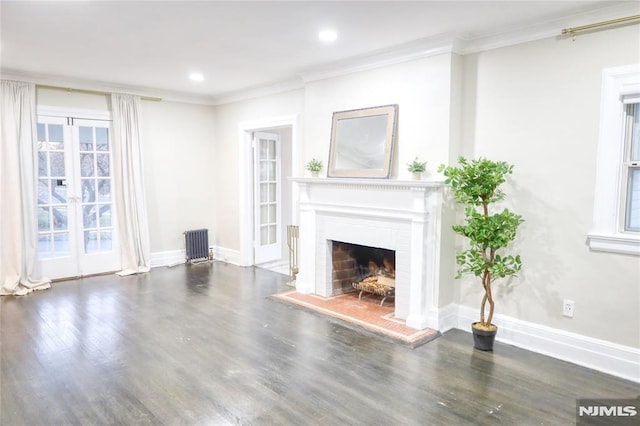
(203, 344)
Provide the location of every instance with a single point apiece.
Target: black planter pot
(483, 339)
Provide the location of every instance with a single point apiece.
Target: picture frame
(362, 142)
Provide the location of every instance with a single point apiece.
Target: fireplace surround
(402, 216)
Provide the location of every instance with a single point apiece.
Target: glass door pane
(53, 213)
(267, 197)
(268, 182)
(95, 180)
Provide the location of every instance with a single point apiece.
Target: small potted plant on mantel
(417, 168)
(476, 185)
(314, 166)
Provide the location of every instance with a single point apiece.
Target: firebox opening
(362, 268)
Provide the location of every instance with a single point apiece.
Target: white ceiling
(151, 46)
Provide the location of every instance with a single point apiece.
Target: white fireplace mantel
(370, 182)
(399, 215)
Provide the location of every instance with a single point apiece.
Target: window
(616, 211)
(631, 167)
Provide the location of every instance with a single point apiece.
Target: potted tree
(417, 168)
(476, 185)
(314, 166)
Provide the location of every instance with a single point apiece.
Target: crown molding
(551, 28)
(258, 92)
(415, 50)
(464, 43)
(80, 84)
(449, 43)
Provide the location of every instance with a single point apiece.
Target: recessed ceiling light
(327, 35)
(196, 76)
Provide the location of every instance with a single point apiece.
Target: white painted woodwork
(404, 216)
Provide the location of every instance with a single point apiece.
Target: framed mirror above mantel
(363, 142)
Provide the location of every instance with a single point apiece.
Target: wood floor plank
(204, 344)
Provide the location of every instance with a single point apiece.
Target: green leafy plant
(314, 165)
(476, 184)
(417, 166)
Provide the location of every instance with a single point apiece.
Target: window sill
(615, 243)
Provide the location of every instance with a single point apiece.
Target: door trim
(245, 162)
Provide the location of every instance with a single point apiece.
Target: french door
(267, 197)
(76, 216)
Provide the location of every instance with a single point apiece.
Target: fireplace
(399, 216)
(353, 263)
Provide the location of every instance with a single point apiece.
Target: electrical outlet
(567, 308)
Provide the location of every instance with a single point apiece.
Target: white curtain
(129, 182)
(19, 267)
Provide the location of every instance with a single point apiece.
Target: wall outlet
(567, 308)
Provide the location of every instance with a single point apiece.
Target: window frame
(628, 163)
(607, 233)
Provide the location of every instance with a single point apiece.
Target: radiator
(197, 244)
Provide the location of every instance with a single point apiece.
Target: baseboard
(279, 266)
(167, 258)
(226, 255)
(175, 257)
(447, 317)
(611, 358)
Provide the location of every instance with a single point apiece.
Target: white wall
(421, 89)
(536, 105)
(72, 100)
(178, 162)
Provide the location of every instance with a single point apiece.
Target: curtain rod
(574, 30)
(92, 92)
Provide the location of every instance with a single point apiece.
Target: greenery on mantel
(314, 165)
(417, 166)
